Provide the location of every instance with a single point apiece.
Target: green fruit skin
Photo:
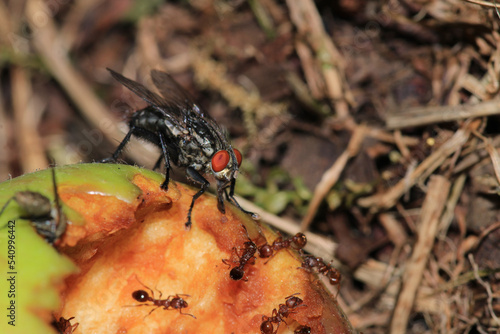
(35, 267)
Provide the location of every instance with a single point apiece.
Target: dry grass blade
(449, 213)
(26, 120)
(437, 114)
(4, 137)
(386, 136)
(389, 198)
(477, 154)
(431, 212)
(316, 244)
(332, 175)
(491, 4)
(494, 156)
(487, 287)
(395, 230)
(306, 18)
(54, 54)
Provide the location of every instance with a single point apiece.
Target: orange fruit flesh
(124, 247)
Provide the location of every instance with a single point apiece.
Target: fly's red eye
(220, 160)
(239, 157)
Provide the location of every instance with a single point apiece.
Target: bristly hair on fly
(186, 135)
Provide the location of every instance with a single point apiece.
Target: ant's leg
(61, 223)
(44, 228)
(274, 253)
(231, 198)
(5, 206)
(169, 297)
(147, 287)
(295, 294)
(151, 312)
(120, 147)
(195, 176)
(164, 185)
(225, 261)
(274, 315)
(61, 226)
(160, 293)
(180, 311)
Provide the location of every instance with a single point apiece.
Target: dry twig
(435, 160)
(487, 287)
(494, 156)
(431, 212)
(437, 114)
(4, 137)
(316, 244)
(52, 50)
(26, 118)
(449, 213)
(332, 175)
(306, 18)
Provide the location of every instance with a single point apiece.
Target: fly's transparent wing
(176, 95)
(193, 116)
(157, 102)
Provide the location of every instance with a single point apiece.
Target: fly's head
(224, 165)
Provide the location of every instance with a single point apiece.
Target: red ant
(302, 330)
(175, 302)
(249, 251)
(331, 273)
(284, 310)
(64, 326)
(297, 242)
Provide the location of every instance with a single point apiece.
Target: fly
(39, 210)
(186, 135)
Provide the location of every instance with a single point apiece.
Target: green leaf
(276, 203)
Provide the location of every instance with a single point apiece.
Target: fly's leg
(164, 185)
(231, 199)
(195, 176)
(220, 199)
(120, 147)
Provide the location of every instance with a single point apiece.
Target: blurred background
(345, 112)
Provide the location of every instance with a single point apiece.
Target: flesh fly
(187, 136)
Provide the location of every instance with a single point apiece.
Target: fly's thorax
(192, 155)
(196, 150)
(205, 145)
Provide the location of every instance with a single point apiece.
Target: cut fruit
(129, 235)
